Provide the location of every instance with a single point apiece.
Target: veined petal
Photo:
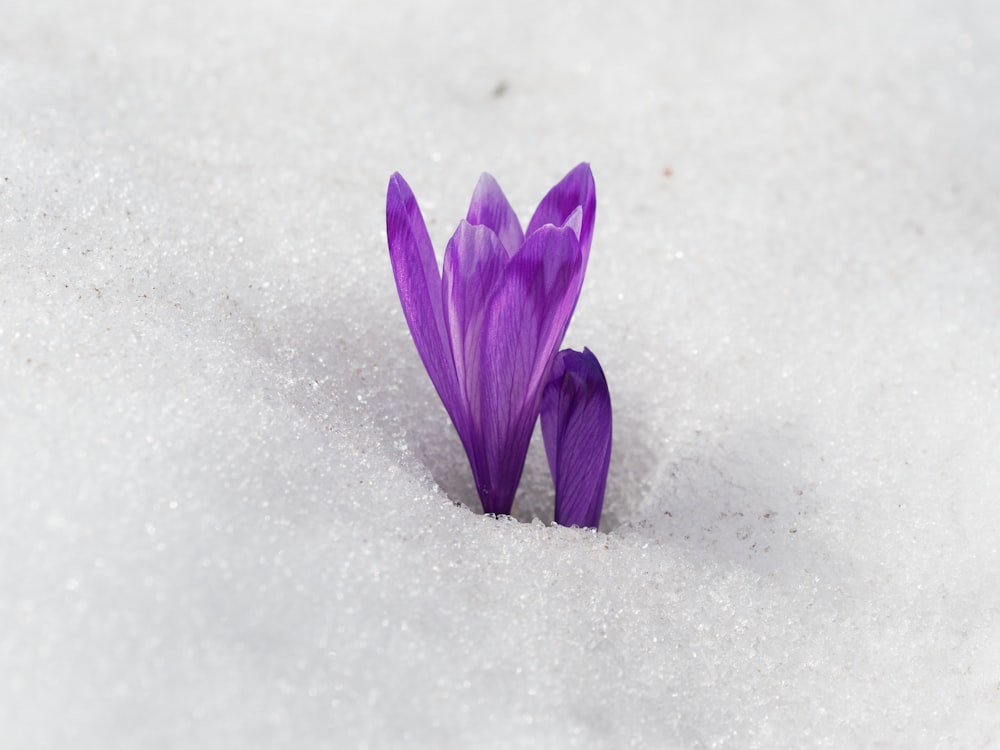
(576, 427)
(524, 323)
(491, 208)
(418, 282)
(575, 220)
(573, 190)
(473, 266)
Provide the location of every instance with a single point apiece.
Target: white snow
(232, 511)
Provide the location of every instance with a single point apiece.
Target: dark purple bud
(576, 425)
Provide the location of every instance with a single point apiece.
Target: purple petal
(576, 426)
(491, 208)
(473, 266)
(524, 323)
(418, 282)
(574, 190)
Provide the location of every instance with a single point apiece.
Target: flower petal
(418, 282)
(575, 189)
(576, 427)
(473, 266)
(524, 323)
(491, 208)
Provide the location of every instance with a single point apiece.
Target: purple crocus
(488, 326)
(576, 426)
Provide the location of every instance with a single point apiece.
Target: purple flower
(576, 426)
(488, 327)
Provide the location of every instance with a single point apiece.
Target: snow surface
(232, 511)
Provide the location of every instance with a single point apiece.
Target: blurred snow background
(232, 511)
